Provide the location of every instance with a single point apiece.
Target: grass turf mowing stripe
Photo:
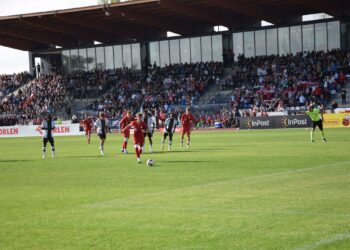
(105, 204)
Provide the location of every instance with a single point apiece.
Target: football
(150, 162)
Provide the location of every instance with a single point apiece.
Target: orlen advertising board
(30, 130)
(297, 121)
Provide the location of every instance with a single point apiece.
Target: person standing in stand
(343, 97)
(38, 74)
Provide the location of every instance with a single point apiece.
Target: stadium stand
(9, 83)
(278, 83)
(52, 92)
(253, 86)
(173, 85)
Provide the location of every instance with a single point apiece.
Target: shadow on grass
(183, 161)
(170, 152)
(87, 156)
(14, 161)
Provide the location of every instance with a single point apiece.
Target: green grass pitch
(268, 189)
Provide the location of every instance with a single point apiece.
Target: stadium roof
(150, 19)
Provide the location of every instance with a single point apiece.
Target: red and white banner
(30, 130)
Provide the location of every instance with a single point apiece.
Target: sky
(14, 61)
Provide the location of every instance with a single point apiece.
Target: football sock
(322, 134)
(44, 152)
(312, 135)
(125, 144)
(137, 153)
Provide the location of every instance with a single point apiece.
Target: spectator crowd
(9, 83)
(159, 88)
(258, 85)
(51, 92)
(275, 83)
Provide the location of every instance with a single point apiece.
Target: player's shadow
(85, 156)
(183, 161)
(169, 152)
(14, 161)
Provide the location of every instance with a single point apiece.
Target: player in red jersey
(125, 121)
(139, 138)
(186, 120)
(87, 122)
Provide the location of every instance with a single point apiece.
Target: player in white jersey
(150, 122)
(48, 127)
(170, 126)
(101, 128)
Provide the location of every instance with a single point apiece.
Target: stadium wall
(274, 40)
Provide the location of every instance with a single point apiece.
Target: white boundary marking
(325, 241)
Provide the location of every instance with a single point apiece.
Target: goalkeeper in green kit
(317, 121)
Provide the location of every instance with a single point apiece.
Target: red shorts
(139, 141)
(186, 130)
(88, 131)
(126, 134)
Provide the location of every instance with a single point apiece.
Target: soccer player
(139, 129)
(170, 126)
(125, 121)
(186, 120)
(317, 121)
(151, 124)
(87, 127)
(102, 127)
(48, 126)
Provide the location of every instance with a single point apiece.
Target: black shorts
(49, 139)
(318, 124)
(102, 136)
(168, 133)
(149, 134)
